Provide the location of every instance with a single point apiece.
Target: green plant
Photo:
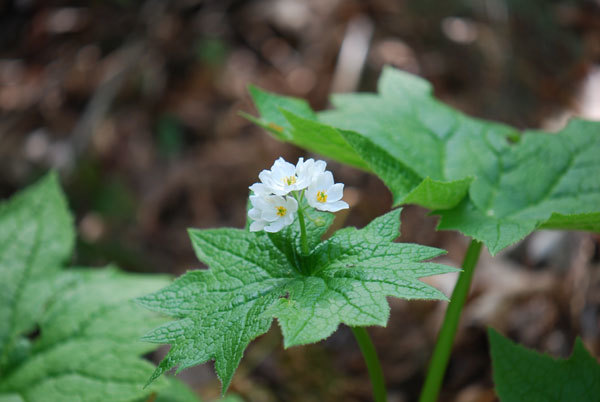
(524, 375)
(487, 180)
(278, 267)
(73, 334)
(68, 334)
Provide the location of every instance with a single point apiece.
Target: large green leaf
(545, 180)
(485, 179)
(66, 335)
(254, 277)
(88, 347)
(525, 375)
(36, 238)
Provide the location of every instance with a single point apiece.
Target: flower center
(289, 180)
(281, 211)
(321, 196)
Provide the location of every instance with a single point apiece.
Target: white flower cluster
(275, 199)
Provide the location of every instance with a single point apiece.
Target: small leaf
(524, 375)
(255, 277)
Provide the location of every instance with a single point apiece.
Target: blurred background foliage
(135, 103)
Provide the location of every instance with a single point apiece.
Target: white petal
(277, 177)
(270, 215)
(271, 182)
(254, 213)
(311, 196)
(265, 176)
(324, 181)
(288, 219)
(278, 162)
(291, 205)
(275, 226)
(260, 189)
(303, 183)
(306, 173)
(305, 167)
(283, 168)
(261, 202)
(335, 192)
(319, 167)
(254, 199)
(282, 190)
(333, 206)
(257, 225)
(277, 200)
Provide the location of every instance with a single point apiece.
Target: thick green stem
(443, 347)
(373, 366)
(303, 238)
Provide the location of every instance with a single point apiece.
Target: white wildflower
(308, 171)
(281, 179)
(275, 198)
(271, 213)
(260, 189)
(323, 195)
(284, 177)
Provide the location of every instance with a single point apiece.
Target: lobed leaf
(255, 277)
(66, 335)
(525, 375)
(36, 238)
(485, 179)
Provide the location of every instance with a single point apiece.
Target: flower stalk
(303, 237)
(372, 361)
(443, 347)
(283, 192)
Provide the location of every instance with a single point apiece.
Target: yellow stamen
(289, 180)
(321, 196)
(281, 211)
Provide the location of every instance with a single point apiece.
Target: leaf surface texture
(485, 179)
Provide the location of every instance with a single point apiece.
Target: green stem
(443, 347)
(303, 238)
(373, 366)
